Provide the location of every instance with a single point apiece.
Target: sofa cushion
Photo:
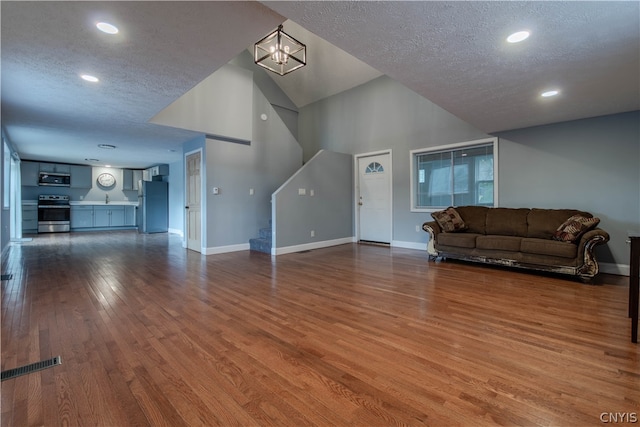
(548, 247)
(449, 220)
(474, 218)
(543, 223)
(501, 243)
(574, 227)
(507, 222)
(458, 240)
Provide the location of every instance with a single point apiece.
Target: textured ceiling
(452, 53)
(455, 54)
(162, 51)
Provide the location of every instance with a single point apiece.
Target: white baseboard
(225, 249)
(176, 231)
(619, 269)
(310, 246)
(409, 245)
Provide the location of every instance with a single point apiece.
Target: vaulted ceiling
(452, 53)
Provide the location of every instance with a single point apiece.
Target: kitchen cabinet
(130, 216)
(108, 216)
(29, 219)
(159, 170)
(81, 176)
(55, 167)
(29, 172)
(155, 173)
(130, 178)
(87, 216)
(81, 217)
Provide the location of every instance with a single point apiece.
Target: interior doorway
(374, 197)
(193, 204)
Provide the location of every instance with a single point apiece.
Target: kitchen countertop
(87, 203)
(111, 203)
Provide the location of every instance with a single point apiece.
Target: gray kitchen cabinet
(117, 217)
(29, 172)
(130, 216)
(81, 217)
(55, 167)
(130, 178)
(159, 170)
(108, 216)
(29, 219)
(81, 176)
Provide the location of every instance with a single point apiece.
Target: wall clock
(106, 180)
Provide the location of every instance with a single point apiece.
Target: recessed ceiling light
(518, 37)
(106, 146)
(89, 78)
(549, 93)
(105, 27)
(91, 160)
(107, 166)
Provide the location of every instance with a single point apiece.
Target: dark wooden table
(634, 279)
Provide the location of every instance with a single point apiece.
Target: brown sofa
(524, 238)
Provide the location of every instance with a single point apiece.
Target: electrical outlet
(251, 191)
(313, 233)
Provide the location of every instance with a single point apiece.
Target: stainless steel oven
(54, 214)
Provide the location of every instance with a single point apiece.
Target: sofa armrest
(433, 229)
(586, 245)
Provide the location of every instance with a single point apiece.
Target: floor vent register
(34, 367)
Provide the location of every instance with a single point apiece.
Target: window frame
(414, 171)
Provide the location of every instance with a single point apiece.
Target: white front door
(374, 198)
(193, 192)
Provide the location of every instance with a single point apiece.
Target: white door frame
(203, 193)
(356, 190)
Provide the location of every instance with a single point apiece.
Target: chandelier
(280, 53)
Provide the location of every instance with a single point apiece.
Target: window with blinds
(455, 175)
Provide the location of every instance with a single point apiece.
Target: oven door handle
(53, 207)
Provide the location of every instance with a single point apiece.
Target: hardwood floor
(152, 334)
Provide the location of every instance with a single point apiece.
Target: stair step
(265, 233)
(260, 245)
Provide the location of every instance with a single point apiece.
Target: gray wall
(176, 196)
(5, 230)
(328, 212)
(588, 164)
(219, 105)
(591, 164)
(234, 216)
(379, 115)
(263, 79)
(94, 194)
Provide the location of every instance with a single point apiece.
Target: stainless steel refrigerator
(153, 207)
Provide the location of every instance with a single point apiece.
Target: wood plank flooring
(152, 334)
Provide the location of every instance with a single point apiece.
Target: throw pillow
(449, 220)
(573, 228)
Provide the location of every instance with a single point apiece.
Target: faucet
(106, 199)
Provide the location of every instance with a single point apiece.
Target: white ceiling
(452, 53)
